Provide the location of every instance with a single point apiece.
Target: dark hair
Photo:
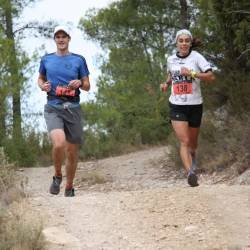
(196, 42)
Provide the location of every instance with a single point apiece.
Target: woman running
(186, 69)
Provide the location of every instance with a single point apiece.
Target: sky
(63, 12)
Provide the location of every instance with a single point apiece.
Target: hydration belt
(64, 98)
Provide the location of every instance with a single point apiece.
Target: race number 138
(183, 88)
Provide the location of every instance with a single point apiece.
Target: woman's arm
(164, 86)
(204, 76)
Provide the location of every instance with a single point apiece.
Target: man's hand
(46, 86)
(75, 84)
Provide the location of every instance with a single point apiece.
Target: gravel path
(135, 202)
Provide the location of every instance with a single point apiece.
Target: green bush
(30, 151)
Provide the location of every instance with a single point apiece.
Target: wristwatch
(193, 74)
(81, 85)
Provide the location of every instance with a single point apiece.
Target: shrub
(19, 228)
(221, 143)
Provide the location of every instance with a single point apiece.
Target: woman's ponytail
(196, 42)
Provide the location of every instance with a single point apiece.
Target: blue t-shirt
(60, 70)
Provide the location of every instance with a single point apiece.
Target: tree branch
(25, 27)
(239, 11)
(244, 52)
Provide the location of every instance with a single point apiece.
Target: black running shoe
(69, 192)
(55, 185)
(192, 179)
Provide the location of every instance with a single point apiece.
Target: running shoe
(55, 185)
(192, 179)
(69, 192)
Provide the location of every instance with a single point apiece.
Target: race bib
(183, 88)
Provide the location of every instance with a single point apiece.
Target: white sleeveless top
(186, 90)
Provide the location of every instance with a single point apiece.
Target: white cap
(61, 28)
(183, 32)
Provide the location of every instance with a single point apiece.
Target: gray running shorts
(69, 119)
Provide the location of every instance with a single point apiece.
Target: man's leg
(58, 141)
(73, 131)
(71, 163)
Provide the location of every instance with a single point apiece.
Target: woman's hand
(185, 71)
(203, 76)
(164, 87)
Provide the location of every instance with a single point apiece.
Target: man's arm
(43, 84)
(85, 83)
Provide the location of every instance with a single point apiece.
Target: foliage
(30, 151)
(138, 35)
(224, 26)
(14, 71)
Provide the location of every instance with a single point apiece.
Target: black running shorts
(69, 120)
(190, 113)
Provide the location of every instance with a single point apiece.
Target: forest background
(129, 111)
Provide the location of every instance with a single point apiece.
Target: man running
(61, 75)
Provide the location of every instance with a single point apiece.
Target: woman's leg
(193, 143)
(195, 116)
(181, 129)
(193, 136)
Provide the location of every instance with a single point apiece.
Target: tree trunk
(184, 18)
(15, 79)
(2, 121)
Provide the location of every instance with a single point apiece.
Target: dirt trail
(135, 202)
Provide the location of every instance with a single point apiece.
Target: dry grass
(19, 227)
(11, 186)
(174, 156)
(222, 143)
(90, 178)
(7, 176)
